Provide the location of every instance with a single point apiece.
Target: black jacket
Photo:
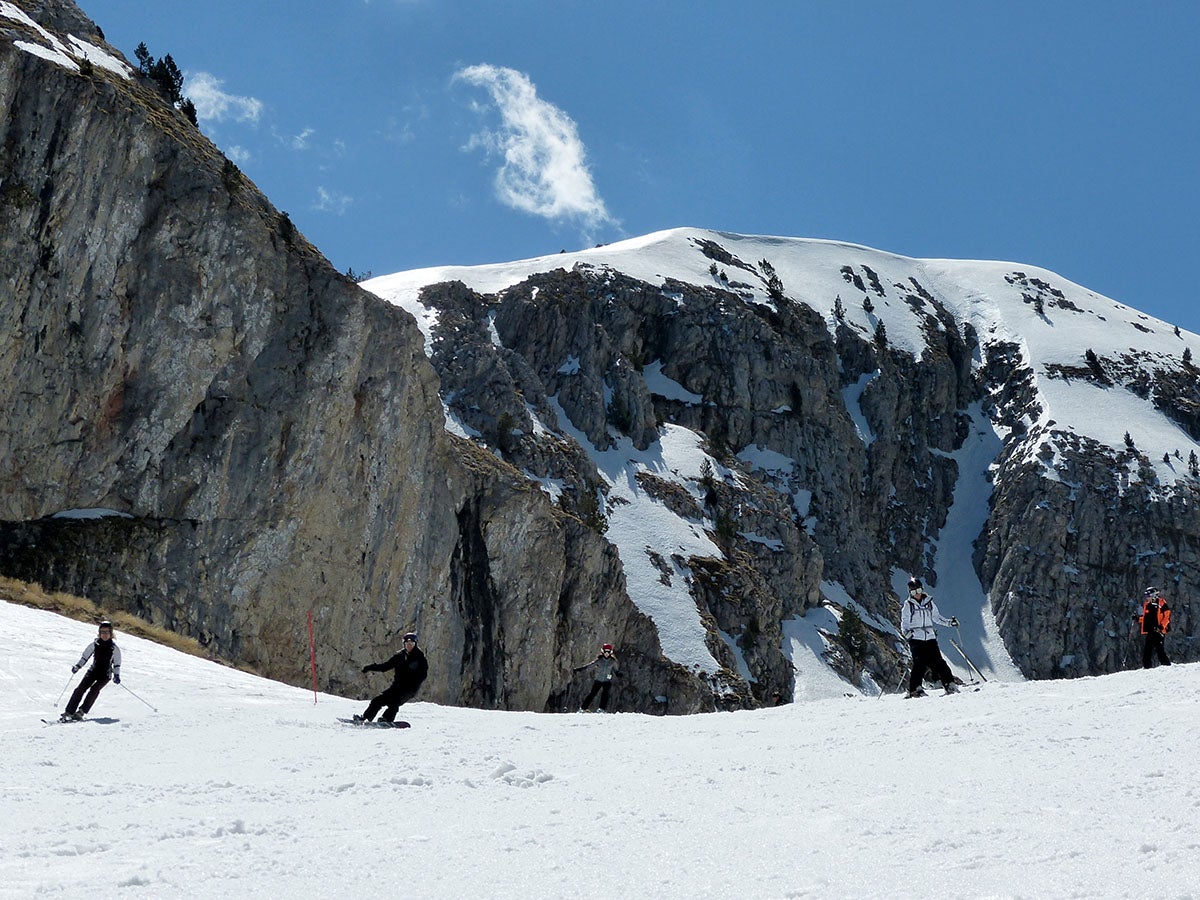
(410, 667)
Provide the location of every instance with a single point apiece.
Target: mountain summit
(813, 422)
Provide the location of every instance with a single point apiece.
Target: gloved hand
(116, 678)
(953, 622)
(74, 668)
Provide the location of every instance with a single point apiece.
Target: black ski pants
(92, 682)
(598, 687)
(927, 655)
(1154, 646)
(390, 702)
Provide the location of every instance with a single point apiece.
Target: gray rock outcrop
(173, 350)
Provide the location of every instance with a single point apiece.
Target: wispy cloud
(300, 141)
(545, 169)
(332, 201)
(215, 105)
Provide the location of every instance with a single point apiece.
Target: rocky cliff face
(771, 378)
(265, 437)
(841, 459)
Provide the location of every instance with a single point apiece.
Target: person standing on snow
(106, 663)
(411, 668)
(918, 615)
(1154, 621)
(606, 670)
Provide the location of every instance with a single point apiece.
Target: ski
(965, 687)
(364, 724)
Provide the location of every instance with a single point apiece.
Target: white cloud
(332, 201)
(300, 141)
(214, 105)
(238, 154)
(545, 170)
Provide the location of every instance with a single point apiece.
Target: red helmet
(606, 647)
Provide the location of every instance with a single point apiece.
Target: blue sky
(406, 133)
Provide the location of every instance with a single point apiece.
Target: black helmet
(105, 624)
(914, 584)
(411, 636)
(1151, 592)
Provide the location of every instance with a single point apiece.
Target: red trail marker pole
(312, 654)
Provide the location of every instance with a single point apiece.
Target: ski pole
(139, 698)
(64, 690)
(964, 654)
(312, 654)
(903, 672)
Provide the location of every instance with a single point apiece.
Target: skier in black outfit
(918, 615)
(606, 670)
(411, 668)
(106, 663)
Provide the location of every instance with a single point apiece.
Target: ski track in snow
(241, 787)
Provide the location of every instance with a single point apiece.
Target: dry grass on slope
(83, 610)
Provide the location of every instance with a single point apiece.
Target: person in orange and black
(1155, 620)
(606, 670)
(411, 668)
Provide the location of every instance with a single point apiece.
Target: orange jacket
(1156, 616)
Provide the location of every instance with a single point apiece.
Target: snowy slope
(240, 787)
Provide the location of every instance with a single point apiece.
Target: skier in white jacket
(918, 616)
(105, 656)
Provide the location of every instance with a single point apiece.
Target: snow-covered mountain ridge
(1054, 321)
(1021, 375)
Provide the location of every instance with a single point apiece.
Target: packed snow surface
(242, 787)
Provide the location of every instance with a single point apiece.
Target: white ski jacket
(918, 615)
(114, 658)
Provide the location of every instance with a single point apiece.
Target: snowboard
(362, 724)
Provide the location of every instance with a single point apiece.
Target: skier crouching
(411, 668)
(106, 663)
(918, 615)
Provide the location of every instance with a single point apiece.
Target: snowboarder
(411, 668)
(1154, 621)
(918, 615)
(106, 663)
(606, 670)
